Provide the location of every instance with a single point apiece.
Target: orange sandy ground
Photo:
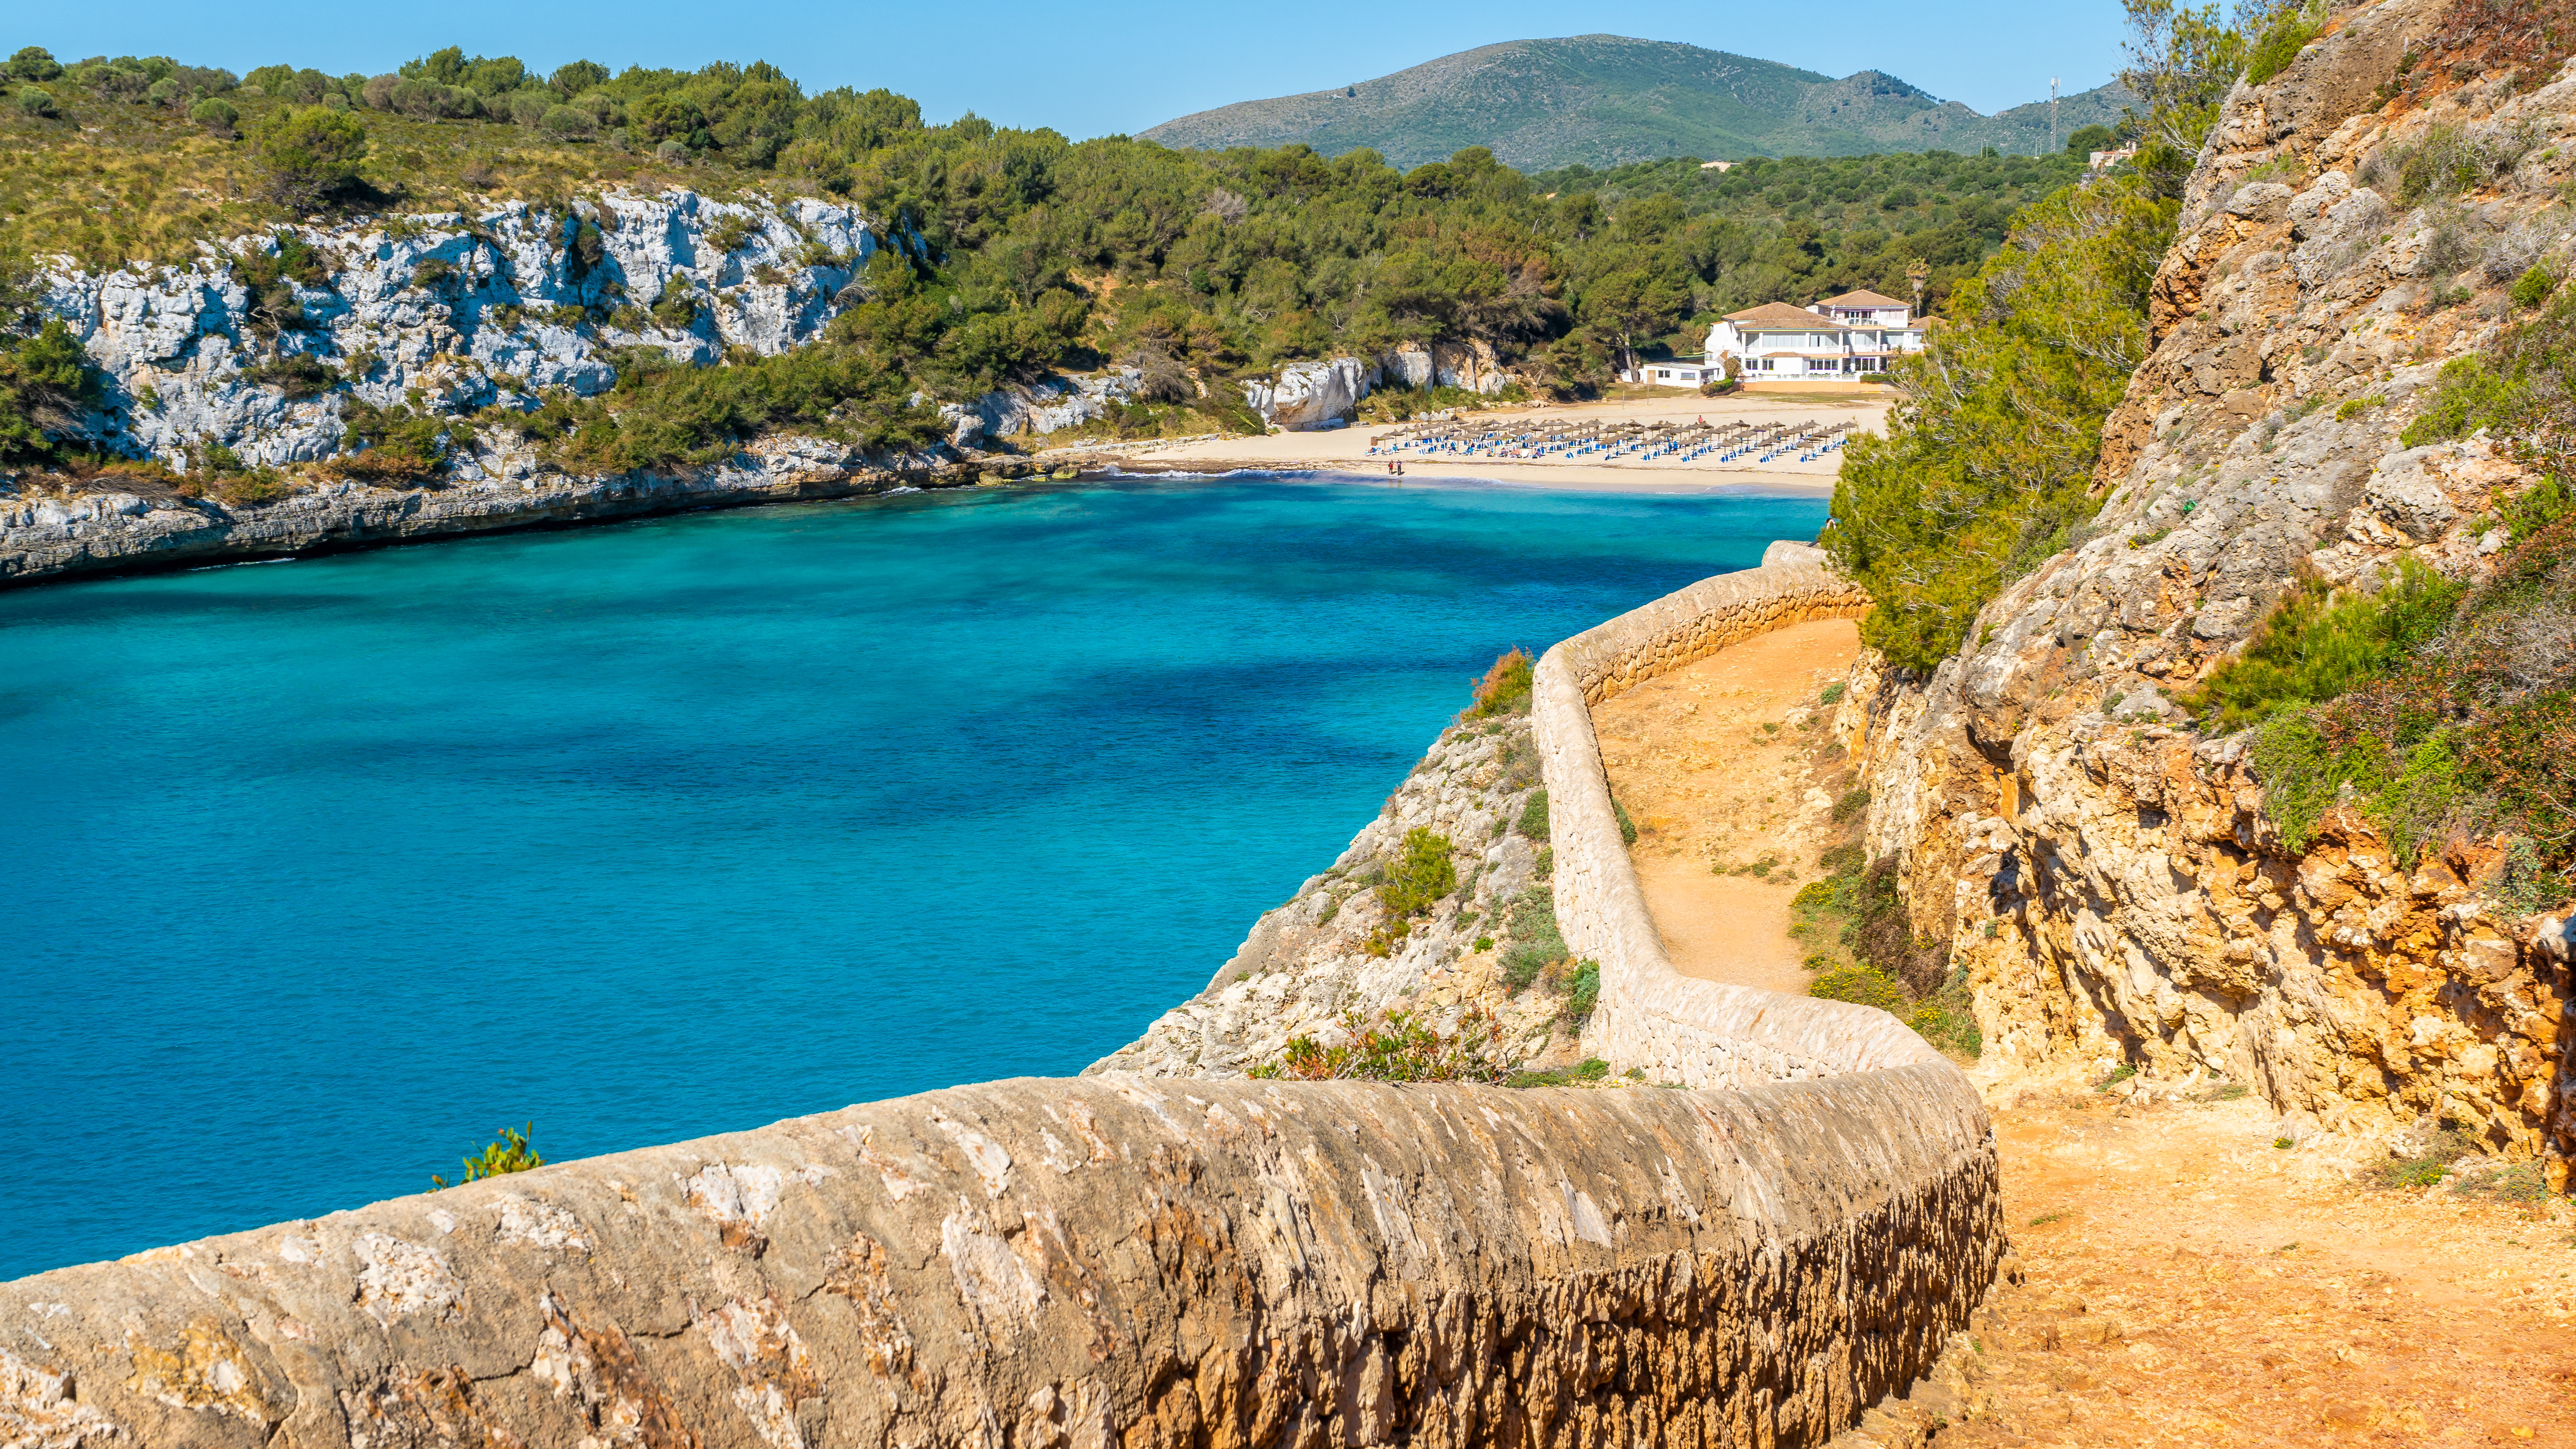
(1712, 789)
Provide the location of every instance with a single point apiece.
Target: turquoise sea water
(318, 872)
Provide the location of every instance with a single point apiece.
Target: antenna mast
(2052, 115)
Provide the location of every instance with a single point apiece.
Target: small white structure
(2102, 159)
(1843, 337)
(1674, 372)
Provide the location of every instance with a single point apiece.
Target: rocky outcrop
(1307, 395)
(50, 538)
(2108, 880)
(449, 312)
(1470, 366)
(1050, 405)
(1309, 962)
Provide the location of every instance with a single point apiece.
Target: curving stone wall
(1651, 1018)
(1117, 1261)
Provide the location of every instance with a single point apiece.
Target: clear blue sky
(1089, 70)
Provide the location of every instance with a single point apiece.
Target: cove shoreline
(150, 530)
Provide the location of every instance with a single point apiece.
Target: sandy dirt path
(1346, 450)
(1710, 761)
(2186, 1282)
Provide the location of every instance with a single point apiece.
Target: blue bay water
(318, 872)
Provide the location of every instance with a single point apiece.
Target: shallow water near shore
(320, 872)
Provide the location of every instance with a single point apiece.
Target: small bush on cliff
(511, 1153)
(1533, 821)
(2281, 41)
(2319, 642)
(1401, 1046)
(1535, 943)
(1420, 875)
(47, 384)
(1505, 688)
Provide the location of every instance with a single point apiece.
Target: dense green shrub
(216, 115)
(1421, 873)
(1534, 942)
(1505, 687)
(2281, 41)
(1627, 827)
(34, 101)
(46, 383)
(33, 63)
(1988, 458)
(1401, 1046)
(308, 156)
(2319, 642)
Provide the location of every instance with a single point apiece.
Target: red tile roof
(1862, 299)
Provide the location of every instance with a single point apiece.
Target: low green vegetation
(1504, 689)
(1533, 822)
(1861, 949)
(1399, 1046)
(2318, 643)
(1627, 827)
(2279, 42)
(1589, 1070)
(509, 1153)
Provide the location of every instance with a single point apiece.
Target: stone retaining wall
(1671, 1027)
(1117, 1261)
(1792, 586)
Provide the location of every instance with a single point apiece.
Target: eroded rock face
(1308, 395)
(457, 311)
(2108, 881)
(1308, 962)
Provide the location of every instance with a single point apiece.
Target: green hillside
(1604, 100)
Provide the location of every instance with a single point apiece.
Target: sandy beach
(1347, 450)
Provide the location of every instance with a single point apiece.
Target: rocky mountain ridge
(2110, 881)
(1602, 100)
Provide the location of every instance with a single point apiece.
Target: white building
(1840, 337)
(1674, 372)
